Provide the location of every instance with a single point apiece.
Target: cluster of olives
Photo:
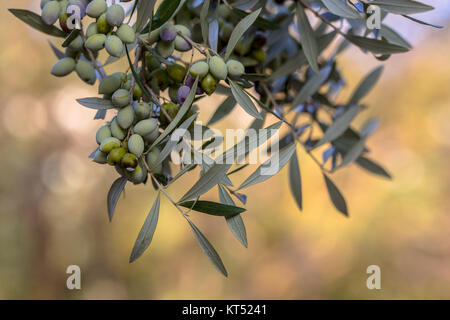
(107, 31)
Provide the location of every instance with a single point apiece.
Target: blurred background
(53, 198)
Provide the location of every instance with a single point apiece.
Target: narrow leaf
(295, 181)
(207, 181)
(148, 229)
(307, 38)
(95, 103)
(183, 110)
(341, 8)
(213, 208)
(372, 167)
(239, 31)
(376, 46)
(275, 163)
(366, 85)
(223, 110)
(339, 125)
(165, 11)
(208, 249)
(244, 100)
(204, 21)
(336, 196)
(144, 13)
(402, 6)
(312, 86)
(34, 20)
(114, 194)
(236, 224)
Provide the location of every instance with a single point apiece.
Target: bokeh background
(53, 209)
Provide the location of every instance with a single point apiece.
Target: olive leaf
(114, 194)
(181, 113)
(393, 37)
(100, 114)
(207, 181)
(402, 6)
(172, 143)
(339, 125)
(341, 8)
(295, 181)
(204, 21)
(95, 103)
(335, 195)
(307, 38)
(208, 249)
(34, 20)
(259, 22)
(366, 85)
(312, 86)
(239, 31)
(213, 208)
(145, 236)
(222, 110)
(353, 153)
(235, 223)
(300, 59)
(372, 167)
(244, 100)
(213, 34)
(376, 46)
(58, 53)
(279, 160)
(72, 36)
(144, 12)
(165, 12)
(423, 22)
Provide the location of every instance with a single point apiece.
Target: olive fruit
(76, 44)
(121, 98)
(171, 109)
(126, 34)
(138, 175)
(63, 17)
(190, 80)
(199, 69)
(109, 84)
(116, 155)
(125, 117)
(153, 36)
(100, 157)
(44, 2)
(63, 67)
(114, 46)
(102, 24)
(109, 144)
(165, 49)
(91, 29)
(224, 11)
(151, 62)
(117, 131)
(115, 15)
(50, 12)
(218, 68)
(142, 110)
(259, 55)
(137, 92)
(182, 94)
(176, 72)
(181, 44)
(136, 145)
(86, 72)
(151, 137)
(129, 161)
(235, 68)
(145, 127)
(96, 8)
(96, 42)
(102, 133)
(151, 158)
(168, 33)
(209, 84)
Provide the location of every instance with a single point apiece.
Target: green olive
(116, 155)
(209, 84)
(177, 72)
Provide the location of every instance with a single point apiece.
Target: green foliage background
(53, 213)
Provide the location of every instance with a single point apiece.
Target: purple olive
(190, 82)
(183, 93)
(168, 33)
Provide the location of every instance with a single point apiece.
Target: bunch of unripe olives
(124, 141)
